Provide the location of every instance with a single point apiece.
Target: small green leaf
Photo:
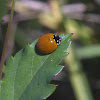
(28, 75)
(3, 8)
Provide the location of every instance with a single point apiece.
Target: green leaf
(3, 8)
(27, 74)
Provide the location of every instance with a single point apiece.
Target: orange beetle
(48, 43)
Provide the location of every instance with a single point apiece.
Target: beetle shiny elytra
(48, 43)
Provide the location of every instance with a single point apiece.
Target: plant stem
(6, 40)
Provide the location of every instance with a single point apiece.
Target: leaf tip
(68, 53)
(63, 66)
(28, 43)
(57, 85)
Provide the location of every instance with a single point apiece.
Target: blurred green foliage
(3, 8)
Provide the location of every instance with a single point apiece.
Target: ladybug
(48, 43)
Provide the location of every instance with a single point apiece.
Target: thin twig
(6, 40)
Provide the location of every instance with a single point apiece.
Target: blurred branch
(22, 6)
(95, 18)
(86, 17)
(20, 17)
(32, 9)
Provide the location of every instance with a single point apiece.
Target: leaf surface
(28, 74)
